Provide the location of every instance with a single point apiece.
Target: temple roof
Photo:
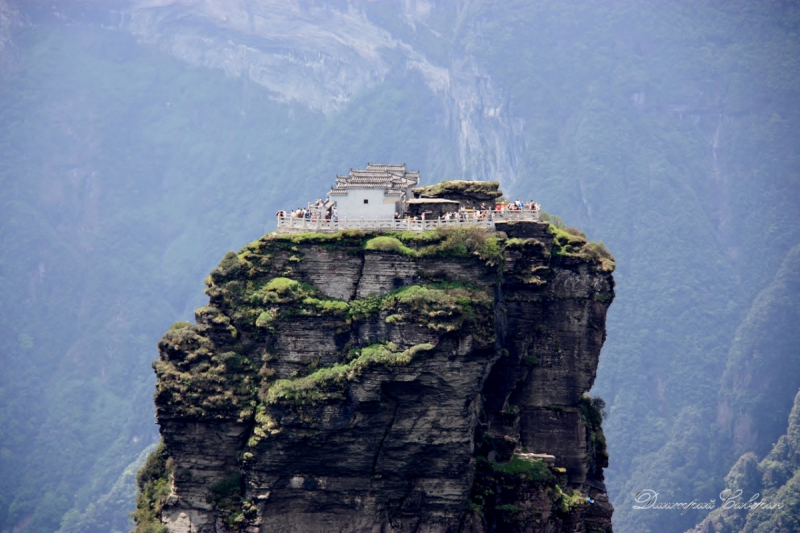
(393, 178)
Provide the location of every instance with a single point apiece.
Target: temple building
(379, 191)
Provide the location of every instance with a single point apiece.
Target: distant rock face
(360, 382)
(322, 54)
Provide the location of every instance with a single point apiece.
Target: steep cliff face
(362, 382)
(763, 368)
(322, 55)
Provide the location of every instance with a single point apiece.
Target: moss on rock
(386, 243)
(196, 380)
(441, 309)
(573, 243)
(499, 486)
(329, 383)
(533, 470)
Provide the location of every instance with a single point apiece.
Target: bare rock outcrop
(362, 382)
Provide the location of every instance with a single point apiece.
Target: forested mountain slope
(773, 483)
(139, 140)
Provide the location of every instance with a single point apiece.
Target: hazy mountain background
(142, 139)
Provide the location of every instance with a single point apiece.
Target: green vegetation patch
(509, 508)
(598, 252)
(530, 359)
(197, 380)
(528, 247)
(497, 484)
(554, 220)
(226, 495)
(534, 470)
(153, 487)
(463, 241)
(572, 242)
(229, 268)
(329, 383)
(441, 309)
(389, 244)
(458, 242)
(488, 189)
(565, 242)
(364, 308)
(567, 501)
(294, 298)
(282, 290)
(593, 413)
(227, 487)
(346, 237)
(417, 238)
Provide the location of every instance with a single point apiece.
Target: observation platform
(486, 219)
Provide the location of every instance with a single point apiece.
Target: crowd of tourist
(319, 210)
(312, 212)
(487, 213)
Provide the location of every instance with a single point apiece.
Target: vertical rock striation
(397, 382)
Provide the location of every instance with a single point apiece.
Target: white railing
(513, 214)
(288, 224)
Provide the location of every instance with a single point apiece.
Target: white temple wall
(351, 205)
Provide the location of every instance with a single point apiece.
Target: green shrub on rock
(389, 244)
(535, 470)
(329, 383)
(153, 487)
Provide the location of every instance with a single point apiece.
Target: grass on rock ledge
(153, 484)
(329, 383)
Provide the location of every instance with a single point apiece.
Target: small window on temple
(366, 201)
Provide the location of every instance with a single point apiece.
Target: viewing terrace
(315, 221)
